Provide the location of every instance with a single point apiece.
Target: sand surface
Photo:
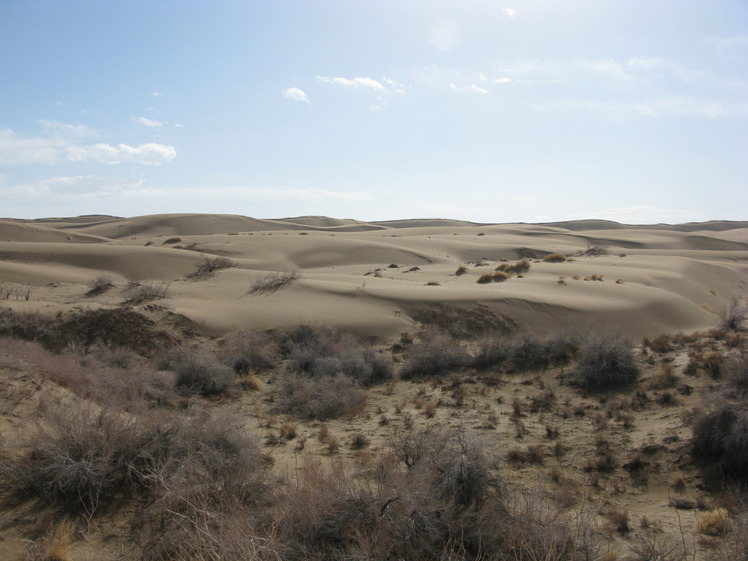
(374, 277)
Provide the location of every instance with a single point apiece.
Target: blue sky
(492, 111)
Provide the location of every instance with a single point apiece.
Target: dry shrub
(554, 258)
(99, 285)
(322, 351)
(322, 398)
(198, 372)
(721, 435)
(249, 350)
(82, 459)
(461, 270)
(605, 361)
(137, 293)
(208, 267)
(435, 354)
(272, 282)
(133, 385)
(734, 316)
(485, 278)
(465, 323)
(524, 352)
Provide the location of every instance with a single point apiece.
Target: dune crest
(375, 278)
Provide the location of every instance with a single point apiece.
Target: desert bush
(320, 398)
(22, 325)
(435, 354)
(554, 258)
(208, 266)
(322, 351)
(721, 435)
(137, 293)
(272, 282)
(99, 285)
(733, 317)
(132, 387)
(249, 350)
(524, 352)
(465, 323)
(198, 372)
(605, 361)
(461, 270)
(496, 276)
(85, 460)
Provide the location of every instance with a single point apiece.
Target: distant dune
(375, 278)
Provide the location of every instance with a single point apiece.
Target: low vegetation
(209, 266)
(271, 282)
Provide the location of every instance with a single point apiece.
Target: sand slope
(374, 278)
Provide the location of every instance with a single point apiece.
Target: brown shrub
(605, 360)
(554, 258)
(321, 398)
(435, 354)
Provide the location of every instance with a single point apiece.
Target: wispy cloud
(675, 106)
(509, 12)
(151, 154)
(67, 130)
(145, 121)
(733, 42)
(473, 88)
(62, 145)
(295, 94)
(445, 35)
(79, 186)
(642, 214)
(608, 67)
(358, 82)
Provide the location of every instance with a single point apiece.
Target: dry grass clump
(208, 267)
(198, 372)
(436, 353)
(137, 293)
(554, 258)
(517, 268)
(461, 270)
(605, 361)
(497, 276)
(271, 282)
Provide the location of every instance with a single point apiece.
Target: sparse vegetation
(137, 293)
(554, 258)
(99, 285)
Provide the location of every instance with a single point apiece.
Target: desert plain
(618, 461)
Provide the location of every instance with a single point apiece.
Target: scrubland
(490, 427)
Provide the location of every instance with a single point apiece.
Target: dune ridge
(374, 278)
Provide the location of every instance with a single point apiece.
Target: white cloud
(263, 194)
(509, 12)
(145, 121)
(445, 35)
(157, 94)
(17, 150)
(638, 63)
(733, 42)
(151, 154)
(502, 80)
(468, 89)
(296, 94)
(358, 82)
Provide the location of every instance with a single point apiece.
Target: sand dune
(375, 278)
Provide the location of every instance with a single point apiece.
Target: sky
(488, 111)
